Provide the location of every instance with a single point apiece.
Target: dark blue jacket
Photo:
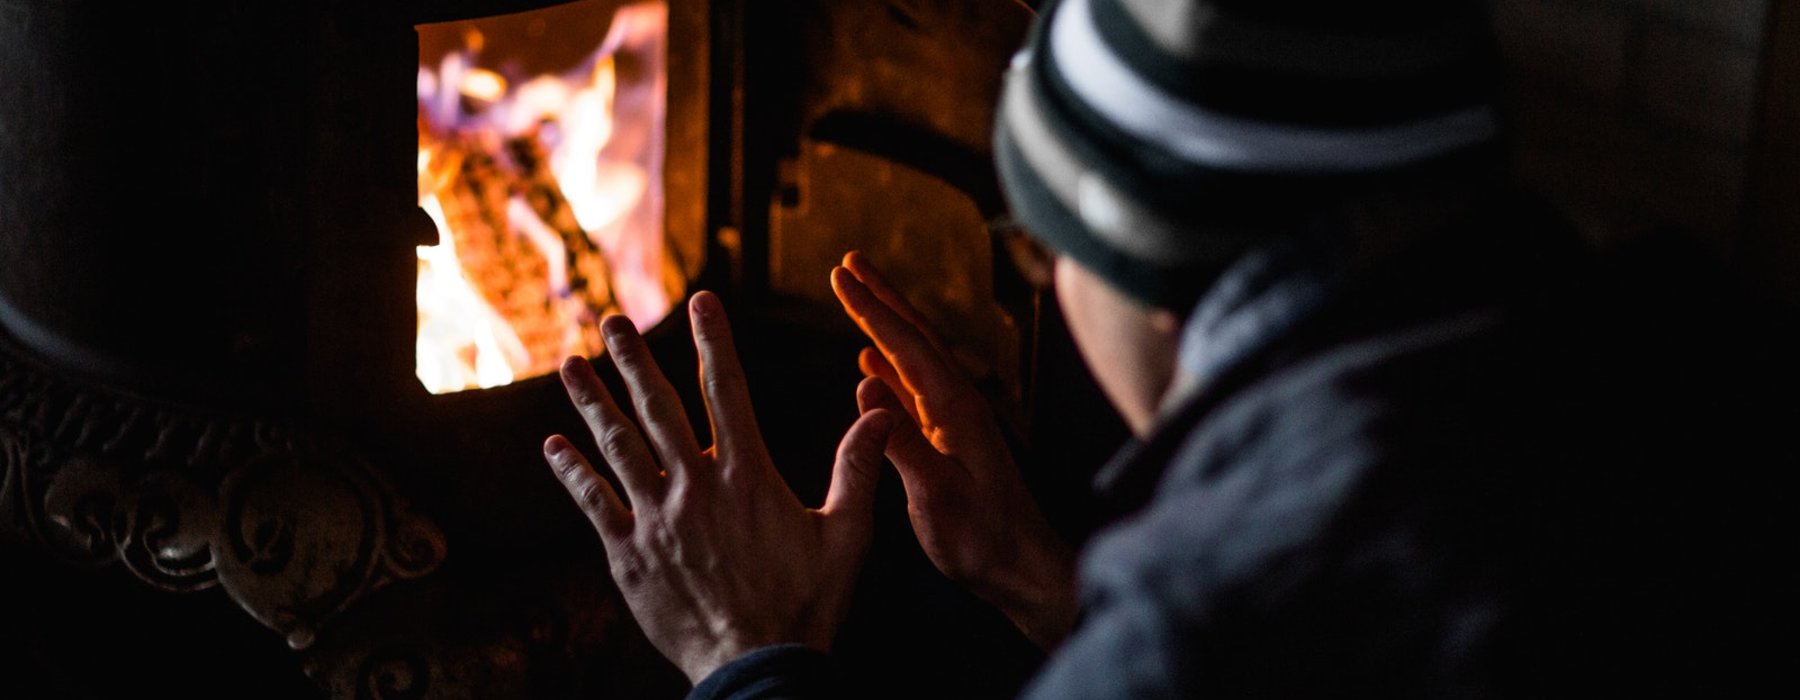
(1487, 465)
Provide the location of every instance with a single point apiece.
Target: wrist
(1037, 594)
(735, 647)
(746, 637)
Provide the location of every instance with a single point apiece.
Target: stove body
(210, 425)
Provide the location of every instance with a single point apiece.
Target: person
(1391, 436)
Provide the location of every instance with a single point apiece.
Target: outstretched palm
(968, 503)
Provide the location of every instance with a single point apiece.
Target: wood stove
(211, 225)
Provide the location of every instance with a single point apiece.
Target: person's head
(1151, 143)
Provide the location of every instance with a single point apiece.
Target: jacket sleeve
(1302, 579)
(1117, 653)
(1199, 596)
(782, 672)
(1135, 639)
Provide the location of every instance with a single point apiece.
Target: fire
(483, 85)
(546, 195)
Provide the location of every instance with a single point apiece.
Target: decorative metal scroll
(295, 527)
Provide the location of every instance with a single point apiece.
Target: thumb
(858, 466)
(917, 460)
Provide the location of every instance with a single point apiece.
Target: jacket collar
(1256, 302)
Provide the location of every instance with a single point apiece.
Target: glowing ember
(546, 194)
(483, 85)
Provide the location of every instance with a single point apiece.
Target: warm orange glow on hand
(968, 503)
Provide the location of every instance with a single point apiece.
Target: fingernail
(706, 305)
(613, 327)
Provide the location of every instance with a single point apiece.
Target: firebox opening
(541, 156)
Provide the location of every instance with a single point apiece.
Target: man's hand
(968, 504)
(715, 557)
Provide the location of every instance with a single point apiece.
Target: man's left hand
(715, 555)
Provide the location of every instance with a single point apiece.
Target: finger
(874, 365)
(592, 494)
(722, 381)
(658, 406)
(619, 441)
(922, 369)
(944, 402)
(917, 460)
(865, 272)
(858, 466)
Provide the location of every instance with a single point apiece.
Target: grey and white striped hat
(1155, 140)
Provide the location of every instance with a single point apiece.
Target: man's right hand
(967, 501)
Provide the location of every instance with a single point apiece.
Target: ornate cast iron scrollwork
(293, 526)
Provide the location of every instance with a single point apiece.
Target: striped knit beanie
(1154, 141)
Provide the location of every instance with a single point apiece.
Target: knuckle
(589, 401)
(624, 360)
(566, 465)
(671, 512)
(678, 510)
(629, 569)
(663, 539)
(647, 407)
(689, 505)
(591, 495)
(616, 438)
(634, 365)
(737, 479)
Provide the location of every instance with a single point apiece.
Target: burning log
(519, 247)
(589, 275)
(533, 197)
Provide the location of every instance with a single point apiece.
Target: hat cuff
(1048, 220)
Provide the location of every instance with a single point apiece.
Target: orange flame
(546, 193)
